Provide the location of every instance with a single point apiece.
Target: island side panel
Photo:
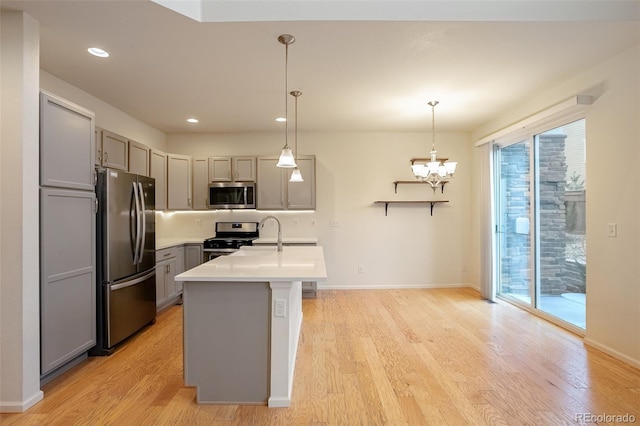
(226, 341)
(285, 332)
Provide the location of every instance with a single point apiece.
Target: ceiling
(361, 74)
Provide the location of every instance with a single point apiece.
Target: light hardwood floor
(371, 357)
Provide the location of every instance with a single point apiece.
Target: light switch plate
(612, 230)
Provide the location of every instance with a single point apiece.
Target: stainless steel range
(230, 236)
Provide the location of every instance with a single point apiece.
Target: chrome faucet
(261, 225)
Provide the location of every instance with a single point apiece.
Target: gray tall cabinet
(67, 233)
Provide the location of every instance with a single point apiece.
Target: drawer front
(166, 253)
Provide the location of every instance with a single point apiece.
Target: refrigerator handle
(134, 282)
(143, 233)
(136, 197)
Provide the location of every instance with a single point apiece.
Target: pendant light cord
(433, 124)
(286, 94)
(295, 152)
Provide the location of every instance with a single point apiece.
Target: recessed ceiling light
(96, 51)
(281, 119)
(192, 120)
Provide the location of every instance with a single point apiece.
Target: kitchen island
(242, 319)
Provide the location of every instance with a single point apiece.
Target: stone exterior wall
(515, 249)
(551, 189)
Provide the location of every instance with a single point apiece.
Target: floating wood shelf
(412, 182)
(387, 202)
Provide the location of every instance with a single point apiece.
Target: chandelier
(435, 172)
(286, 159)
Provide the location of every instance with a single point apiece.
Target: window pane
(561, 193)
(514, 240)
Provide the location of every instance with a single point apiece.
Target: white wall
(613, 196)
(107, 116)
(407, 248)
(19, 240)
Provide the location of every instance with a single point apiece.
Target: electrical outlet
(280, 308)
(198, 223)
(334, 223)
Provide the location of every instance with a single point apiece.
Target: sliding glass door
(540, 222)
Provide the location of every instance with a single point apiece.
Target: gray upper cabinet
(200, 182)
(220, 169)
(158, 171)
(275, 192)
(179, 182)
(67, 148)
(115, 151)
(98, 146)
(302, 195)
(232, 169)
(271, 185)
(243, 169)
(138, 158)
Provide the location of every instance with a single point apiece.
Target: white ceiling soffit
(399, 10)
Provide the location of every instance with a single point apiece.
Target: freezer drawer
(130, 305)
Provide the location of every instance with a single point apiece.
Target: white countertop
(286, 240)
(162, 243)
(251, 264)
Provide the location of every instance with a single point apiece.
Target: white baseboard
(607, 350)
(21, 406)
(387, 287)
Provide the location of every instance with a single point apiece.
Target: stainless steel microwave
(232, 195)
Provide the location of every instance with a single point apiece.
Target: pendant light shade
(296, 176)
(287, 159)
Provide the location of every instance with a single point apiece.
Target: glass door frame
(528, 134)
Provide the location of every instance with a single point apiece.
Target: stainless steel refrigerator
(126, 247)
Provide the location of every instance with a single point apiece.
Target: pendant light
(434, 172)
(286, 159)
(296, 176)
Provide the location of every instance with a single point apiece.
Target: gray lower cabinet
(68, 275)
(193, 256)
(165, 277)
(169, 263)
